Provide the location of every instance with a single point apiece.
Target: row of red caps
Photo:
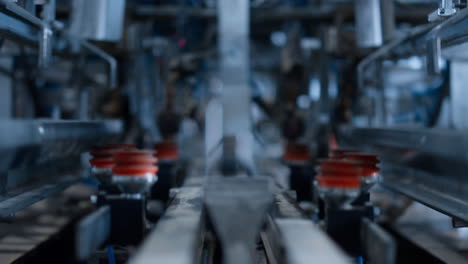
(127, 160)
(347, 169)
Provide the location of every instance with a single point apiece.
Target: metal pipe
(45, 31)
(434, 43)
(24, 14)
(385, 49)
(112, 82)
(327, 13)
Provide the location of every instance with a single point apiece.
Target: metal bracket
(91, 232)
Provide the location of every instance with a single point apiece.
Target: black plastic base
(344, 226)
(160, 190)
(127, 219)
(300, 180)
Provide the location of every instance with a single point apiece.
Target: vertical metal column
(233, 44)
(388, 19)
(6, 89)
(324, 79)
(459, 93)
(46, 37)
(368, 23)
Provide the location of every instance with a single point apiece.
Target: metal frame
(427, 165)
(19, 199)
(19, 24)
(43, 157)
(179, 235)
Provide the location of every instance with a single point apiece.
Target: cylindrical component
(296, 153)
(388, 19)
(102, 160)
(297, 157)
(167, 151)
(338, 182)
(167, 154)
(134, 171)
(368, 19)
(369, 170)
(446, 8)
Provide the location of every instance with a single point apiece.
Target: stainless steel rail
(428, 165)
(43, 157)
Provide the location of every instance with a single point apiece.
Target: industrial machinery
(233, 131)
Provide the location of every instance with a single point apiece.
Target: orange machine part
(296, 152)
(166, 150)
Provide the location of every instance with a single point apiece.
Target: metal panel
(91, 232)
(379, 246)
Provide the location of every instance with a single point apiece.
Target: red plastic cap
(134, 170)
(135, 157)
(367, 161)
(338, 182)
(340, 153)
(102, 163)
(332, 167)
(334, 173)
(137, 163)
(115, 146)
(167, 150)
(110, 149)
(296, 152)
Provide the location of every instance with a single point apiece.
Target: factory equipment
(233, 131)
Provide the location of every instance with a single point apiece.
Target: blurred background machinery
(233, 131)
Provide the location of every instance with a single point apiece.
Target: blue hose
(360, 260)
(110, 254)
